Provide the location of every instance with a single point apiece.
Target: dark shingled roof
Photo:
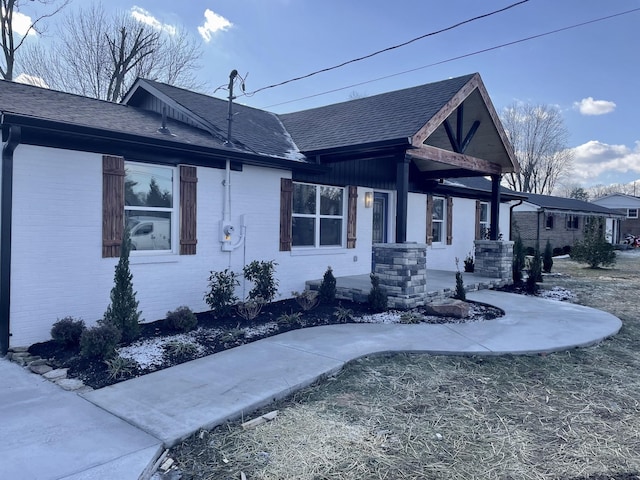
(388, 116)
(484, 185)
(550, 202)
(57, 106)
(257, 130)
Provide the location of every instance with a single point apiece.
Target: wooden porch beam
(427, 152)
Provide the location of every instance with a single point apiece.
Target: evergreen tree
(518, 259)
(328, 287)
(123, 312)
(594, 248)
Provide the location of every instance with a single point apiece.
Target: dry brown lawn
(569, 415)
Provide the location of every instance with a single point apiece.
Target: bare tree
(539, 138)
(12, 40)
(100, 55)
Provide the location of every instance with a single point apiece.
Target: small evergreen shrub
(327, 290)
(529, 251)
(518, 260)
(67, 331)
(460, 293)
(221, 295)
(307, 300)
(566, 250)
(100, 342)
(123, 312)
(377, 297)
(250, 309)
(547, 258)
(182, 319)
(535, 274)
(265, 286)
(557, 251)
(594, 249)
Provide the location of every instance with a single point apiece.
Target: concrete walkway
(171, 404)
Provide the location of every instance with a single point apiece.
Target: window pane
(438, 209)
(303, 232)
(330, 231)
(149, 230)
(484, 212)
(304, 198)
(330, 201)
(148, 186)
(437, 231)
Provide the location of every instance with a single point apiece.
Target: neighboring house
(308, 190)
(559, 220)
(629, 207)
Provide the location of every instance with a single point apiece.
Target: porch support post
(495, 206)
(402, 193)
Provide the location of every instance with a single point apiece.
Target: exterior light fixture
(368, 199)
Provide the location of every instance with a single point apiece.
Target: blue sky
(590, 72)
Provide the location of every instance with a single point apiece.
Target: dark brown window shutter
(112, 205)
(352, 213)
(429, 222)
(188, 210)
(286, 206)
(449, 220)
(478, 210)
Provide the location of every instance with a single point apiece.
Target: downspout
(6, 195)
(520, 202)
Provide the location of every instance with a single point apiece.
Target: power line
(387, 49)
(477, 52)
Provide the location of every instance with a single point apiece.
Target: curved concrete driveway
(172, 404)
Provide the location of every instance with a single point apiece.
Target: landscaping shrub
(265, 286)
(557, 251)
(120, 367)
(222, 292)
(343, 314)
(518, 260)
(307, 300)
(182, 319)
(594, 249)
(529, 251)
(547, 259)
(67, 331)
(460, 293)
(377, 297)
(289, 320)
(410, 318)
(327, 289)
(178, 352)
(250, 309)
(123, 311)
(535, 273)
(566, 250)
(469, 264)
(100, 342)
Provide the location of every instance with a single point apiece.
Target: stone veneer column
(494, 259)
(402, 270)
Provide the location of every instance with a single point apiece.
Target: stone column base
(494, 259)
(402, 270)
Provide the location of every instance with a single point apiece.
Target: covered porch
(440, 284)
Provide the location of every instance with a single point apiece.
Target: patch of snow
(558, 293)
(391, 316)
(149, 352)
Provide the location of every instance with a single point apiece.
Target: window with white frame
(150, 212)
(438, 220)
(317, 216)
(632, 213)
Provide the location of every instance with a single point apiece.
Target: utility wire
(387, 49)
(477, 52)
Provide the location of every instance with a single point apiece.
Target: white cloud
(144, 16)
(594, 158)
(31, 80)
(21, 24)
(213, 23)
(589, 106)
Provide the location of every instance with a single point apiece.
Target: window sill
(317, 251)
(169, 257)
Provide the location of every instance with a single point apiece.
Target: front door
(380, 226)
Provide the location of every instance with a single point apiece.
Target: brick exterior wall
(402, 269)
(530, 224)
